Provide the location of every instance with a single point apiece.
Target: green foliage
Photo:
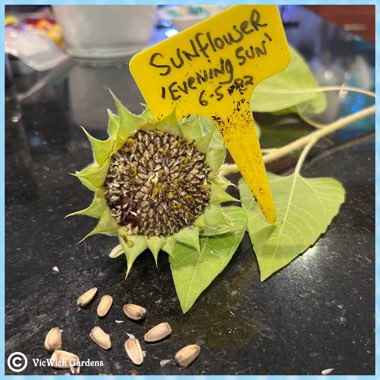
(305, 208)
(193, 270)
(292, 90)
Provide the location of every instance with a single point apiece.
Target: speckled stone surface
(316, 313)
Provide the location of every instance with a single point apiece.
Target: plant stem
(312, 122)
(303, 156)
(325, 89)
(312, 137)
(330, 128)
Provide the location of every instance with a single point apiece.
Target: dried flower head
(157, 184)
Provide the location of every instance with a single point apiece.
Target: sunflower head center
(157, 183)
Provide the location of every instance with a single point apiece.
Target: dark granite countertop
(316, 313)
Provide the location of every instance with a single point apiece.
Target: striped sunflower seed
(186, 355)
(101, 338)
(135, 312)
(53, 340)
(104, 305)
(65, 359)
(86, 297)
(158, 332)
(134, 351)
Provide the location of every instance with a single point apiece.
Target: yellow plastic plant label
(211, 69)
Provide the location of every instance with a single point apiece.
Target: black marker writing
(202, 44)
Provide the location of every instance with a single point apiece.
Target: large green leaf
(293, 90)
(194, 271)
(305, 207)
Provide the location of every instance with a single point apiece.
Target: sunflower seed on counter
(101, 338)
(104, 305)
(116, 251)
(134, 351)
(53, 340)
(86, 297)
(327, 371)
(65, 359)
(186, 355)
(165, 361)
(135, 312)
(158, 332)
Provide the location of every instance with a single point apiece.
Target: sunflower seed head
(53, 340)
(186, 355)
(134, 351)
(101, 338)
(158, 332)
(134, 312)
(104, 305)
(87, 297)
(155, 184)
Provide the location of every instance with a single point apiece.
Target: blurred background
(44, 44)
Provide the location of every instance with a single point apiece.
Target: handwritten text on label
(201, 46)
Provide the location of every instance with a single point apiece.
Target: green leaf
(305, 207)
(293, 89)
(135, 245)
(194, 271)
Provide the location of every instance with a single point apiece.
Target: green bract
(213, 222)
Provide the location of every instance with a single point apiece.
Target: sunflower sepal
(94, 210)
(106, 225)
(170, 124)
(101, 149)
(129, 123)
(133, 247)
(155, 244)
(94, 175)
(189, 236)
